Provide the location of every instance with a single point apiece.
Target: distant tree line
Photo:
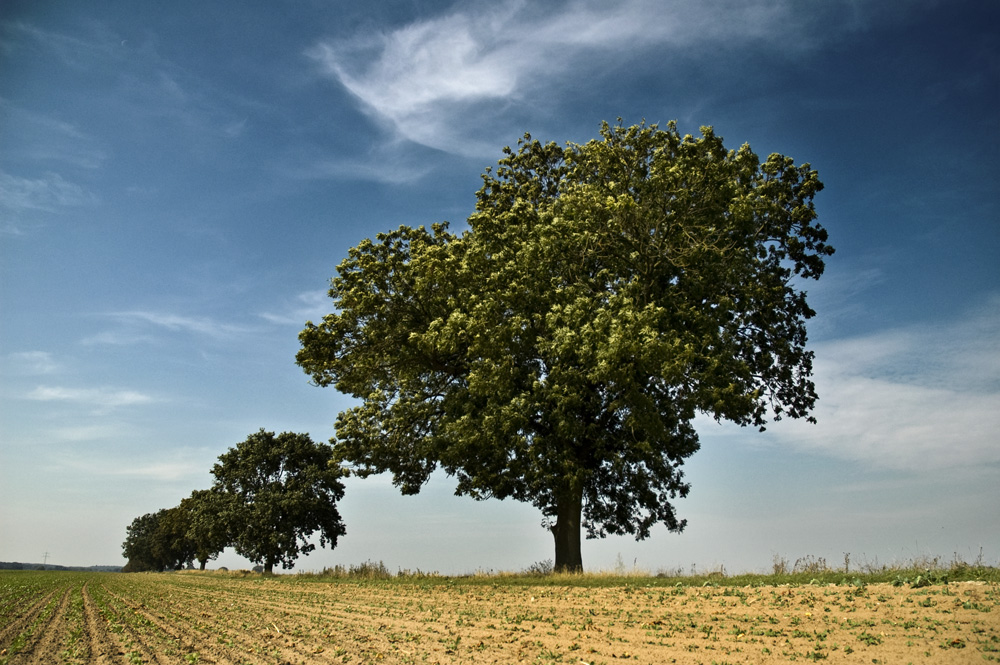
(17, 565)
(270, 495)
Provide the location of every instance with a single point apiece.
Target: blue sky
(179, 180)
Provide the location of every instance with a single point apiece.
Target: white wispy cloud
(50, 193)
(922, 397)
(118, 338)
(236, 128)
(307, 306)
(395, 170)
(198, 325)
(101, 398)
(164, 471)
(149, 86)
(170, 466)
(839, 296)
(91, 432)
(154, 327)
(74, 51)
(33, 362)
(440, 81)
(47, 138)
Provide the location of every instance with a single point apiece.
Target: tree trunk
(269, 568)
(566, 531)
(202, 562)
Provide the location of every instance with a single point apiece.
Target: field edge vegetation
(804, 571)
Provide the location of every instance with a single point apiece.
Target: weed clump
(540, 568)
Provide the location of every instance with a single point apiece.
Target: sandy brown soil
(204, 618)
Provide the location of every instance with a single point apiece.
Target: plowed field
(207, 618)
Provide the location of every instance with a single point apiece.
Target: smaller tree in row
(143, 544)
(277, 492)
(270, 495)
(173, 538)
(207, 533)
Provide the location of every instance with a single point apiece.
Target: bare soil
(206, 618)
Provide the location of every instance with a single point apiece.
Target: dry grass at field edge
(805, 571)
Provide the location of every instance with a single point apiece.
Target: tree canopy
(207, 531)
(558, 350)
(139, 543)
(158, 541)
(273, 492)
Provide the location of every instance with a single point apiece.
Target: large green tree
(274, 492)
(558, 351)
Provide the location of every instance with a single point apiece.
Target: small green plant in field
(451, 645)
(858, 583)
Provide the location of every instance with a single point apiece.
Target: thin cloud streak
(308, 306)
(178, 323)
(149, 86)
(370, 169)
(103, 398)
(49, 193)
(75, 52)
(180, 464)
(103, 431)
(48, 139)
(33, 363)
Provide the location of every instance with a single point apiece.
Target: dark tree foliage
(138, 547)
(558, 351)
(274, 492)
(207, 530)
(157, 541)
(172, 537)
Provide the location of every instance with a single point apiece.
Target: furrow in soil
(46, 638)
